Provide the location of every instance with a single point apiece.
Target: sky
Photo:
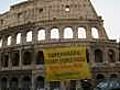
(108, 9)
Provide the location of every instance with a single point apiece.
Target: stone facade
(30, 27)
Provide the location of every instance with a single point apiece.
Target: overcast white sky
(108, 9)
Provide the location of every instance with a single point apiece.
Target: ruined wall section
(45, 10)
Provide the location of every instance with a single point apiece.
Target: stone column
(61, 33)
(35, 36)
(88, 32)
(13, 41)
(105, 56)
(9, 61)
(47, 34)
(62, 85)
(20, 53)
(47, 86)
(91, 56)
(78, 86)
(75, 33)
(33, 82)
(23, 37)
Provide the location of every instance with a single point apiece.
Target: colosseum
(32, 26)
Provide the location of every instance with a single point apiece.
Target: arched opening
(4, 83)
(86, 85)
(113, 76)
(111, 56)
(29, 36)
(98, 56)
(55, 85)
(40, 58)
(15, 58)
(9, 39)
(95, 33)
(1, 42)
(18, 38)
(68, 33)
(26, 83)
(27, 58)
(100, 77)
(40, 83)
(72, 85)
(14, 84)
(81, 33)
(55, 33)
(41, 35)
(4, 60)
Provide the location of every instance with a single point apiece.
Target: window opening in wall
(40, 10)
(40, 58)
(1, 21)
(27, 58)
(67, 8)
(4, 60)
(1, 42)
(68, 33)
(81, 33)
(41, 35)
(114, 76)
(40, 83)
(18, 38)
(95, 34)
(72, 85)
(15, 59)
(4, 82)
(9, 40)
(100, 77)
(55, 33)
(98, 56)
(111, 56)
(14, 84)
(29, 36)
(26, 83)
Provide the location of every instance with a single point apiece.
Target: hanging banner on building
(65, 63)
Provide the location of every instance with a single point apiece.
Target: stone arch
(81, 32)
(9, 40)
(73, 84)
(39, 82)
(26, 83)
(111, 56)
(29, 36)
(5, 60)
(54, 33)
(15, 58)
(68, 33)
(40, 57)
(41, 34)
(98, 56)
(100, 77)
(4, 83)
(86, 84)
(95, 33)
(27, 58)
(18, 38)
(14, 83)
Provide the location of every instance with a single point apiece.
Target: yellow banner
(65, 63)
